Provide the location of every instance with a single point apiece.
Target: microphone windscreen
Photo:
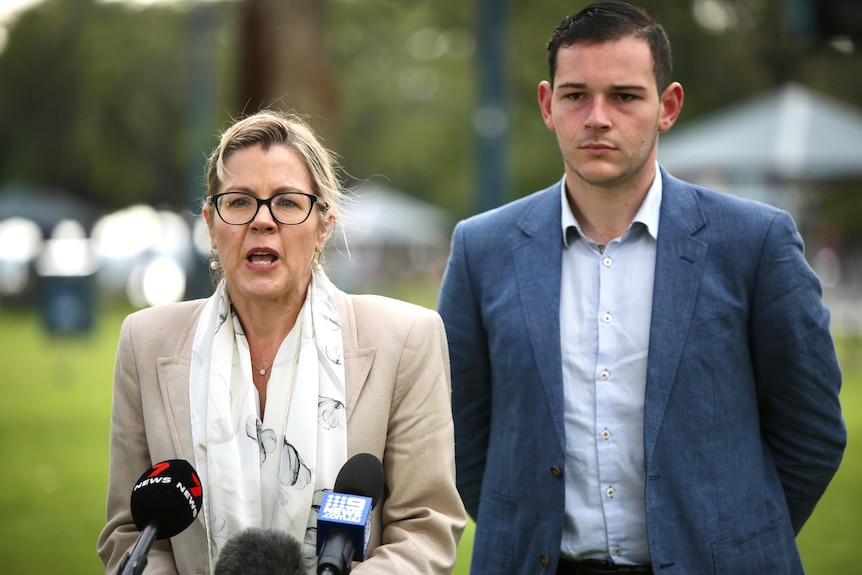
(169, 496)
(361, 475)
(258, 551)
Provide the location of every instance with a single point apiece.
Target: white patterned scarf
(269, 473)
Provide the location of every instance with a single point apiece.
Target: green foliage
(121, 104)
(99, 101)
(405, 71)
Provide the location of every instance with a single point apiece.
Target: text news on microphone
(165, 500)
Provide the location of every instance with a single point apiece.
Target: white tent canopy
(789, 133)
(390, 235)
(376, 214)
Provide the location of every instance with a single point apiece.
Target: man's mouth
(596, 146)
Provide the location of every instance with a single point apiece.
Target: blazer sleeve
(797, 372)
(471, 374)
(129, 458)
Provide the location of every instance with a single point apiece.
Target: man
(643, 375)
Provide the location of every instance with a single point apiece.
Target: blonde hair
(273, 127)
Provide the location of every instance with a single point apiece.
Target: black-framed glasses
(240, 208)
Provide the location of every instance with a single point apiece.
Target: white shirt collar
(647, 214)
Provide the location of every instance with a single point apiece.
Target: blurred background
(108, 109)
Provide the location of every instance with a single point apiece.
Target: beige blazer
(398, 408)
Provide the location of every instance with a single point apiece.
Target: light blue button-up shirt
(605, 309)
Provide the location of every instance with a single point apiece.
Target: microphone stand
(134, 563)
(336, 555)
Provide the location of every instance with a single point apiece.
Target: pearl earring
(214, 264)
(316, 261)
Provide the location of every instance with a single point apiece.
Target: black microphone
(165, 500)
(344, 519)
(258, 551)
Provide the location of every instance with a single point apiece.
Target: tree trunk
(285, 62)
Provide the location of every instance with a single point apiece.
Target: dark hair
(614, 20)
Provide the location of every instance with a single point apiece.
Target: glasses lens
(236, 208)
(290, 208)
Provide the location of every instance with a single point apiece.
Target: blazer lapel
(173, 374)
(537, 261)
(173, 378)
(357, 369)
(174, 387)
(679, 268)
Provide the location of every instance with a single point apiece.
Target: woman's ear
(208, 218)
(327, 222)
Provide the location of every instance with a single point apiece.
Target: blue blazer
(742, 426)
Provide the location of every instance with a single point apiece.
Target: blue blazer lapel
(679, 268)
(537, 260)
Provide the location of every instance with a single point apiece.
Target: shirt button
(610, 491)
(545, 560)
(607, 262)
(605, 374)
(556, 471)
(618, 551)
(607, 317)
(606, 434)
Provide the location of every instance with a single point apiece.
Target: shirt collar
(647, 214)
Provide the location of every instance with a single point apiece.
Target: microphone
(165, 500)
(344, 518)
(258, 551)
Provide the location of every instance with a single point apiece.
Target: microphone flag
(346, 512)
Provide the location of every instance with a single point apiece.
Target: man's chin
(600, 174)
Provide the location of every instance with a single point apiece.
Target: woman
(268, 386)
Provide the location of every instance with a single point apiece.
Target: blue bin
(66, 303)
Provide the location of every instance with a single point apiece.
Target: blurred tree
(285, 64)
(94, 100)
(407, 84)
(98, 97)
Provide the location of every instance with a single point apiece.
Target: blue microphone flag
(350, 513)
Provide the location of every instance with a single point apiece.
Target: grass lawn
(55, 406)
(55, 401)
(829, 542)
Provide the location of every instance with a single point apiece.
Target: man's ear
(546, 95)
(671, 106)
